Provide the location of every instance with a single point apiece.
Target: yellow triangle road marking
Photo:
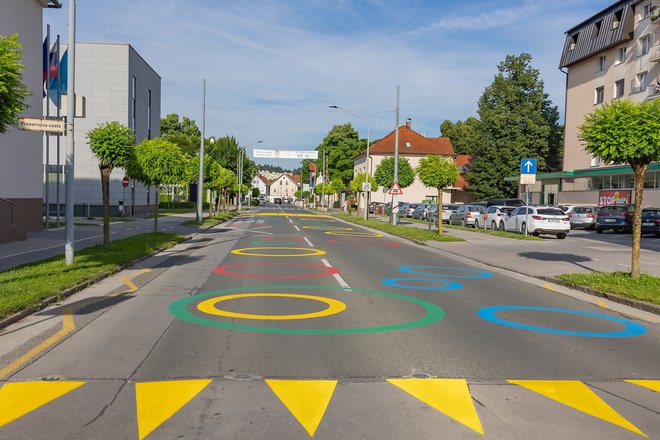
(307, 400)
(158, 401)
(577, 395)
(19, 398)
(449, 396)
(653, 385)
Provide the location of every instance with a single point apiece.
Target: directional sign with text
(528, 166)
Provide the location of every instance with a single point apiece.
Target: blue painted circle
(448, 285)
(478, 273)
(631, 328)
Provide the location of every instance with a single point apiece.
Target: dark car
(277, 200)
(376, 206)
(651, 221)
(616, 217)
(505, 202)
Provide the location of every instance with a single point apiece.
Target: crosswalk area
(242, 406)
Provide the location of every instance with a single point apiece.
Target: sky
(273, 67)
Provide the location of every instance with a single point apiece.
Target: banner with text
(285, 154)
(614, 197)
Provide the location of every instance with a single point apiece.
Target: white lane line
(338, 277)
(308, 242)
(297, 228)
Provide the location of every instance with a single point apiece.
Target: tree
(112, 143)
(626, 132)
(13, 93)
(356, 186)
(517, 120)
(438, 172)
(384, 174)
(466, 136)
(157, 162)
(341, 145)
(225, 182)
(170, 124)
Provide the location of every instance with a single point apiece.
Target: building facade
(118, 85)
(284, 187)
(262, 184)
(613, 55)
(20, 151)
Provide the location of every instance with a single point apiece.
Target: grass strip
(482, 231)
(25, 286)
(644, 288)
(212, 221)
(398, 230)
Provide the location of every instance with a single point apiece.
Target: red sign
(395, 190)
(614, 197)
(124, 181)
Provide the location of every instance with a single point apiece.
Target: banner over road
(285, 154)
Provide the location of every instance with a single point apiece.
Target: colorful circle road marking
(631, 328)
(209, 306)
(478, 273)
(354, 234)
(223, 270)
(444, 285)
(179, 309)
(306, 252)
(326, 227)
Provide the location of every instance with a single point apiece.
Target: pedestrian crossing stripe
(449, 396)
(307, 400)
(156, 402)
(653, 385)
(19, 398)
(577, 395)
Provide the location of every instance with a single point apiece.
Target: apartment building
(118, 85)
(614, 54)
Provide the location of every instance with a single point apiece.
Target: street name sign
(48, 125)
(395, 190)
(527, 179)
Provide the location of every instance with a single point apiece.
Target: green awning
(622, 169)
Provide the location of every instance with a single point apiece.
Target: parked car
(446, 212)
(496, 215)
(616, 217)
(373, 207)
(651, 221)
(277, 200)
(581, 216)
(407, 209)
(420, 211)
(466, 214)
(504, 202)
(431, 211)
(389, 207)
(542, 220)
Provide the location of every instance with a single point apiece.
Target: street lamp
(367, 165)
(240, 174)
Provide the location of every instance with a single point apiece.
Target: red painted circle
(222, 270)
(362, 241)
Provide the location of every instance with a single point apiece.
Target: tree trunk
(105, 189)
(640, 171)
(157, 194)
(439, 211)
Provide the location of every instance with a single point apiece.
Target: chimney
(409, 124)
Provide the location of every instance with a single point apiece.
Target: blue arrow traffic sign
(528, 166)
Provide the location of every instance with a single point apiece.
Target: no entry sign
(124, 181)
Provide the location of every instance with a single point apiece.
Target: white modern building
(118, 85)
(20, 151)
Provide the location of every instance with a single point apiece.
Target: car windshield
(550, 211)
(619, 208)
(450, 207)
(583, 210)
(651, 212)
(507, 209)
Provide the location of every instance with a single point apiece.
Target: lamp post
(367, 165)
(240, 174)
(70, 145)
(200, 183)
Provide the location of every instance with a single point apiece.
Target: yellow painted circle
(247, 251)
(332, 228)
(354, 234)
(334, 306)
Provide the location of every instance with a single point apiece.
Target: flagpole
(70, 150)
(59, 106)
(47, 115)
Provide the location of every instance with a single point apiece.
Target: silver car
(446, 212)
(581, 216)
(465, 215)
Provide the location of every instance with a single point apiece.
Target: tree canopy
(622, 132)
(341, 145)
(438, 172)
(384, 174)
(171, 124)
(13, 93)
(466, 136)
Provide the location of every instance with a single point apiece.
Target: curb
(5, 322)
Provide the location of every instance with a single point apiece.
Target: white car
(542, 220)
(496, 215)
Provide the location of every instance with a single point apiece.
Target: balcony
(654, 53)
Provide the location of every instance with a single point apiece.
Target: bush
(254, 202)
(181, 205)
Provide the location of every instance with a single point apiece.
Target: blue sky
(274, 67)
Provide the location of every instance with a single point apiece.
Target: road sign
(48, 125)
(395, 190)
(124, 181)
(527, 179)
(528, 166)
(366, 186)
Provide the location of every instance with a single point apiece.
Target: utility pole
(70, 150)
(200, 183)
(395, 197)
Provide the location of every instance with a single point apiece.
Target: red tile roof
(418, 144)
(264, 180)
(463, 162)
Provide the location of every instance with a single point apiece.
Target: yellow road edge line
(68, 326)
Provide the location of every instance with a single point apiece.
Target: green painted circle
(179, 309)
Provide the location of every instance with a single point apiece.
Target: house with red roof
(284, 187)
(413, 146)
(261, 182)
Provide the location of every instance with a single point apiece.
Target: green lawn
(26, 286)
(401, 231)
(644, 288)
(212, 221)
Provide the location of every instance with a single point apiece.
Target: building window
(601, 63)
(148, 114)
(133, 103)
(644, 45)
(573, 41)
(642, 81)
(652, 180)
(597, 27)
(619, 88)
(599, 95)
(617, 19)
(621, 55)
(647, 9)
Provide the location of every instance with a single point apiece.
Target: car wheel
(561, 236)
(463, 223)
(493, 226)
(476, 224)
(591, 227)
(599, 230)
(523, 228)
(502, 227)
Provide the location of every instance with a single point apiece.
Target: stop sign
(124, 181)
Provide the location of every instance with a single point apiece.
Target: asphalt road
(286, 324)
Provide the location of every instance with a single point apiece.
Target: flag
(45, 63)
(62, 71)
